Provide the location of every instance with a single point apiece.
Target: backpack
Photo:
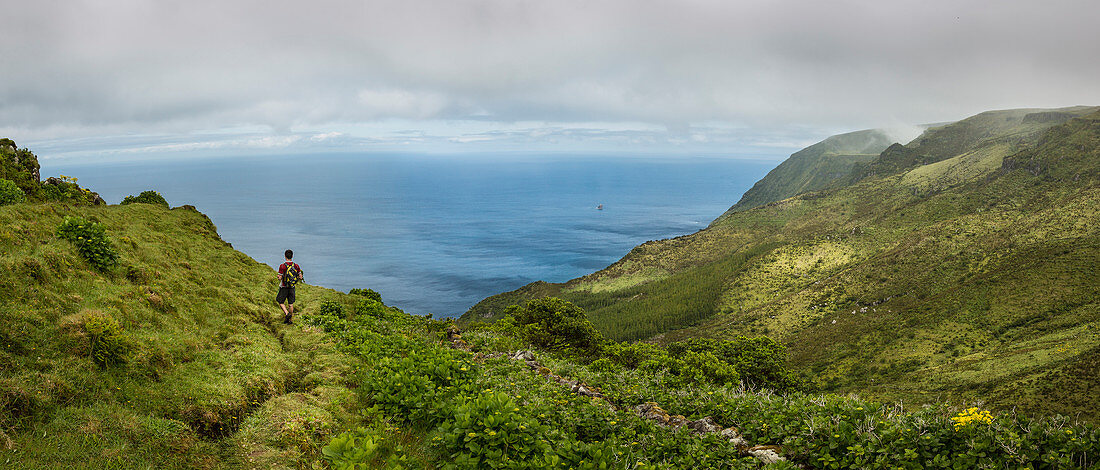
(292, 275)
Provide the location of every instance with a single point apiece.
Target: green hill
(957, 266)
(814, 168)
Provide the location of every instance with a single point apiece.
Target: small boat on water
(599, 207)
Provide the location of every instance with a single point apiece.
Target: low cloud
(81, 70)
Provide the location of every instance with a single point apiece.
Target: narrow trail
(649, 410)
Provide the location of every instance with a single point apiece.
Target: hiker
(289, 275)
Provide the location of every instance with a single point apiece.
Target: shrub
(19, 166)
(109, 344)
(65, 189)
(556, 325)
(491, 431)
(703, 367)
(146, 197)
(332, 308)
(370, 308)
(416, 387)
(10, 193)
(91, 241)
(363, 449)
(760, 361)
(368, 293)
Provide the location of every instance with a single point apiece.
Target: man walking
(289, 275)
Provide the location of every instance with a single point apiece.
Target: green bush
(704, 367)
(368, 293)
(371, 308)
(91, 241)
(10, 193)
(363, 449)
(760, 361)
(19, 166)
(109, 344)
(491, 431)
(64, 189)
(556, 325)
(415, 388)
(146, 197)
(332, 308)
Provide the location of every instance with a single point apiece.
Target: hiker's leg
(282, 297)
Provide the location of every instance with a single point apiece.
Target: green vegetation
(930, 276)
(91, 241)
(146, 197)
(171, 357)
(428, 406)
(814, 168)
(19, 166)
(10, 193)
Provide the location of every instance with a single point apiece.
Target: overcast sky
(93, 79)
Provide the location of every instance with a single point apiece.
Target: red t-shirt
(282, 270)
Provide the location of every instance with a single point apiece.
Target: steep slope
(814, 168)
(965, 280)
(173, 358)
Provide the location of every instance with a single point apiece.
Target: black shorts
(285, 293)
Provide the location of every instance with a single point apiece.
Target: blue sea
(436, 234)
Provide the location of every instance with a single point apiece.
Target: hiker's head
(289, 254)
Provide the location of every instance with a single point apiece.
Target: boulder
(766, 454)
(650, 410)
(703, 426)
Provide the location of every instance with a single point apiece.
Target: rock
(650, 410)
(677, 421)
(703, 426)
(454, 338)
(729, 433)
(524, 355)
(766, 454)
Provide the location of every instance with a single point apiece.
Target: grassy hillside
(930, 276)
(814, 168)
(200, 372)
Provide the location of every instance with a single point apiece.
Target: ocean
(436, 234)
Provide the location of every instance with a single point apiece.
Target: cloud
(81, 69)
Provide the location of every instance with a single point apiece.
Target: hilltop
(953, 267)
(814, 168)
